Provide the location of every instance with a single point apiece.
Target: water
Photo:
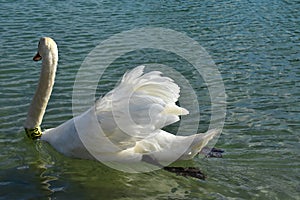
(256, 47)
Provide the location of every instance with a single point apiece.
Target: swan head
(46, 47)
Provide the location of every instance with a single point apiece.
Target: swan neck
(43, 91)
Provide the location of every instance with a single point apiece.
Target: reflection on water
(255, 45)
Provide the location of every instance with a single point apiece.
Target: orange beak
(37, 57)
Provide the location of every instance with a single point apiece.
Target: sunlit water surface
(256, 47)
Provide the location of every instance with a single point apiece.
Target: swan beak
(37, 57)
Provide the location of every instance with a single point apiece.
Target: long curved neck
(41, 97)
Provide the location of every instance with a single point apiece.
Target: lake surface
(255, 46)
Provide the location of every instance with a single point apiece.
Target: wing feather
(138, 106)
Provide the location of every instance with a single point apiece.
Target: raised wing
(138, 106)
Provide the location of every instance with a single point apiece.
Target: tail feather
(199, 142)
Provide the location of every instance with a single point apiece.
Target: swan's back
(135, 110)
(126, 123)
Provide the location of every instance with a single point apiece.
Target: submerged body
(125, 125)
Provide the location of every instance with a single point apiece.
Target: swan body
(124, 125)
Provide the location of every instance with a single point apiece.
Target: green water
(256, 47)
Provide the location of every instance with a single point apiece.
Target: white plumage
(126, 123)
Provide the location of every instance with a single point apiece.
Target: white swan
(124, 126)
